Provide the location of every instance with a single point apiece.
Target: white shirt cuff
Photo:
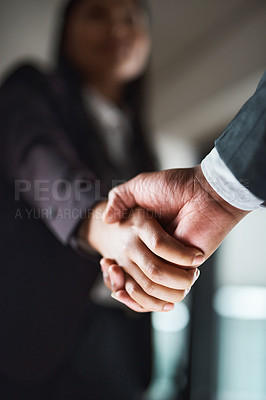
(226, 184)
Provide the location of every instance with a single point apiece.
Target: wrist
(91, 229)
(201, 180)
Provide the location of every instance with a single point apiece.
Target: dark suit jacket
(44, 286)
(242, 146)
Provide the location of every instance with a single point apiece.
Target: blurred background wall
(208, 56)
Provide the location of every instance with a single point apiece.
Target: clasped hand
(152, 263)
(158, 266)
(156, 269)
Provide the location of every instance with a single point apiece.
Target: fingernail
(168, 307)
(187, 291)
(199, 259)
(196, 275)
(113, 295)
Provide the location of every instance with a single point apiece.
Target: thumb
(120, 200)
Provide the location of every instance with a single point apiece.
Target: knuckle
(113, 194)
(130, 288)
(144, 259)
(148, 286)
(157, 242)
(153, 272)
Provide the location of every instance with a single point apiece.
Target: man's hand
(154, 262)
(186, 206)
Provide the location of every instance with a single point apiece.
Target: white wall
(26, 30)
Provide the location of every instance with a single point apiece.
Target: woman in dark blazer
(58, 162)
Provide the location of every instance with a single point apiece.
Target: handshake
(154, 233)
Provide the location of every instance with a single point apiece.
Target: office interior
(207, 59)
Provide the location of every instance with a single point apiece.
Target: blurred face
(108, 39)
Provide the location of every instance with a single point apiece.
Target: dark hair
(68, 9)
(135, 90)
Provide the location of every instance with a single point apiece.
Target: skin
(187, 207)
(109, 43)
(148, 254)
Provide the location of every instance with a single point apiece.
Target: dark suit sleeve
(39, 160)
(242, 146)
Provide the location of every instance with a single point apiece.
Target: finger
(153, 289)
(105, 264)
(158, 271)
(165, 246)
(120, 199)
(107, 283)
(124, 298)
(117, 277)
(113, 274)
(143, 299)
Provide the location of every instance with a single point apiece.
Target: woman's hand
(147, 254)
(114, 279)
